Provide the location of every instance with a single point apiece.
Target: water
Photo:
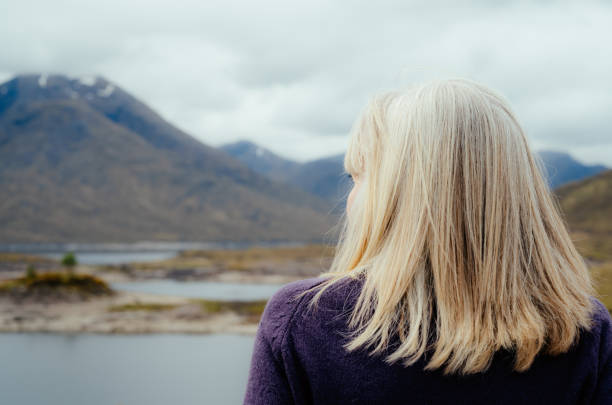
(101, 258)
(55, 369)
(202, 289)
(120, 253)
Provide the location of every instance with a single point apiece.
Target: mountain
(261, 160)
(587, 207)
(324, 177)
(561, 168)
(83, 160)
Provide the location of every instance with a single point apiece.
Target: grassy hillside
(587, 207)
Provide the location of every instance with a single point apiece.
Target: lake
(110, 258)
(54, 369)
(202, 289)
(120, 253)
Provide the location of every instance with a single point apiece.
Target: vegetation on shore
(142, 306)
(11, 257)
(54, 286)
(251, 310)
(254, 258)
(242, 258)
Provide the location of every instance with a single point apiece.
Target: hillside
(261, 160)
(325, 178)
(321, 177)
(587, 207)
(82, 160)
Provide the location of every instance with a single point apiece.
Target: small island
(54, 287)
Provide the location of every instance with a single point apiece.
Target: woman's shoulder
(601, 321)
(601, 328)
(280, 309)
(288, 301)
(598, 346)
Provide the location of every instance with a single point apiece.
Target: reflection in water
(58, 369)
(202, 289)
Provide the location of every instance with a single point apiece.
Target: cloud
(294, 76)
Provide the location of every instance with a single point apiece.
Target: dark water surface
(55, 369)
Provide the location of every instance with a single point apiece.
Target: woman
(454, 280)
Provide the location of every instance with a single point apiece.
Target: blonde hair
(456, 231)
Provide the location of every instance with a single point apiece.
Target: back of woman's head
(455, 230)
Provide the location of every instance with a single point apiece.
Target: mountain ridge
(324, 176)
(79, 162)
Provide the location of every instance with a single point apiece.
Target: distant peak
(554, 153)
(248, 148)
(241, 146)
(243, 143)
(50, 86)
(42, 79)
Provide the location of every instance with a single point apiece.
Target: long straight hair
(455, 230)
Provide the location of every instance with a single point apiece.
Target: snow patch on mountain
(107, 91)
(88, 80)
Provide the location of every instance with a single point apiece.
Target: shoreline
(143, 313)
(97, 316)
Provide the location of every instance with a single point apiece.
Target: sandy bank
(113, 315)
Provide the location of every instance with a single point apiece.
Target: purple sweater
(298, 358)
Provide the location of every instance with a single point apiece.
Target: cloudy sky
(292, 76)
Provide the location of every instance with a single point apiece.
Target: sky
(293, 76)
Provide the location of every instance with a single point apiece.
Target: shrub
(69, 262)
(31, 272)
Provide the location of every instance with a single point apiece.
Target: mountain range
(323, 177)
(584, 192)
(83, 160)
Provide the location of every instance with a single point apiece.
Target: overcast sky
(293, 76)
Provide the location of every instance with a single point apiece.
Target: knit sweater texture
(298, 358)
